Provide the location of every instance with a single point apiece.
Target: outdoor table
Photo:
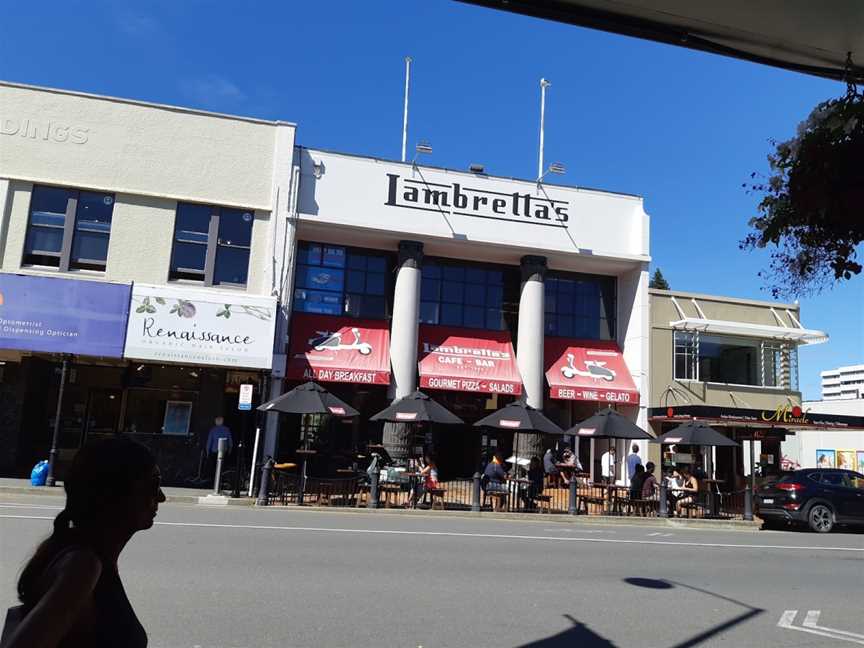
(516, 485)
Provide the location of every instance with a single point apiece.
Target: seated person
(688, 491)
(495, 475)
(535, 483)
(427, 479)
(649, 483)
(549, 461)
(639, 476)
(569, 458)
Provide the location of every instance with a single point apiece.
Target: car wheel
(821, 518)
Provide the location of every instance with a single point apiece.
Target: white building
(843, 383)
(178, 208)
(476, 288)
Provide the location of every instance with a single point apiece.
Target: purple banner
(63, 315)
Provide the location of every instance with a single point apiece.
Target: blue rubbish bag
(39, 474)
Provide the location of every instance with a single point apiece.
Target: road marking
(32, 506)
(788, 618)
(651, 535)
(497, 536)
(812, 621)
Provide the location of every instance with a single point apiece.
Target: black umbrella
(309, 398)
(609, 424)
(520, 417)
(696, 433)
(417, 407)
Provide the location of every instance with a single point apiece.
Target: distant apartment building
(843, 383)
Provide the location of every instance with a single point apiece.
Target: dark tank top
(110, 621)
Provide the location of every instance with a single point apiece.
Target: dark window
(68, 228)
(212, 244)
(833, 478)
(462, 295)
(580, 306)
(725, 359)
(335, 280)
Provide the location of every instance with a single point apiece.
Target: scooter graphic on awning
(333, 342)
(596, 369)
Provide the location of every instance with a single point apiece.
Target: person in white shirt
(607, 466)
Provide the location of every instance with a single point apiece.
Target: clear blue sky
(681, 128)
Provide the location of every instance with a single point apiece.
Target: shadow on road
(750, 611)
(578, 636)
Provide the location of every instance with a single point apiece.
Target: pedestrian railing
(466, 494)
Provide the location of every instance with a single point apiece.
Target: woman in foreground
(70, 589)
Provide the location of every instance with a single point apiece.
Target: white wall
(150, 157)
(355, 191)
(129, 147)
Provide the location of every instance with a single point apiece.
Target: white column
(406, 318)
(403, 339)
(529, 343)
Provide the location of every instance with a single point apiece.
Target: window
(686, 352)
(580, 306)
(737, 361)
(335, 280)
(68, 228)
(470, 296)
(212, 244)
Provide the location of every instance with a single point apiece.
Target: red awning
(590, 370)
(338, 349)
(468, 360)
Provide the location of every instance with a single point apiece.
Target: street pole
(222, 448)
(238, 451)
(52, 455)
(543, 85)
(751, 484)
(405, 112)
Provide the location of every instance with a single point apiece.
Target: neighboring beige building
(731, 362)
(188, 206)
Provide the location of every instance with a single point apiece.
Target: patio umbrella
(609, 424)
(417, 407)
(696, 433)
(521, 417)
(309, 398)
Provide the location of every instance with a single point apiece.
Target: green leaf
(151, 309)
(140, 309)
(160, 300)
(227, 314)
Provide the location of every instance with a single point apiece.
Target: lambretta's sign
(47, 130)
(456, 198)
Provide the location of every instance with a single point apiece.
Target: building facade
(177, 212)
(843, 383)
(475, 288)
(734, 364)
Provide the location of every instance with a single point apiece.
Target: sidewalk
(192, 495)
(23, 487)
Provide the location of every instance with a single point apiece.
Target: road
(238, 577)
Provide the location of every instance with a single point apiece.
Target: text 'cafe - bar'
(401, 283)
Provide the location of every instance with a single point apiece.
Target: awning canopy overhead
(723, 327)
(339, 349)
(468, 360)
(800, 35)
(591, 370)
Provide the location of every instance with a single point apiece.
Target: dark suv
(818, 497)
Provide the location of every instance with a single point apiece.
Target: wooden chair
(544, 503)
(436, 496)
